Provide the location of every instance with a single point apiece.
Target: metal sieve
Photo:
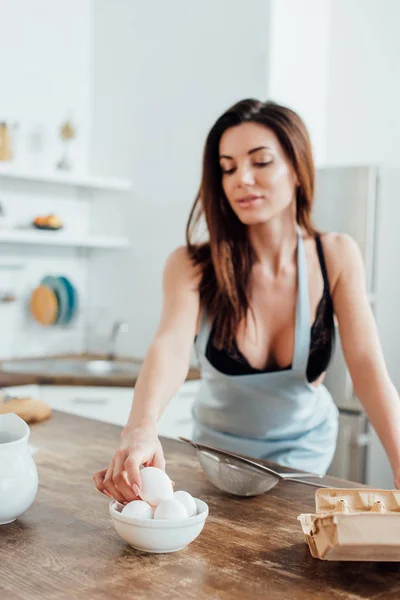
(243, 476)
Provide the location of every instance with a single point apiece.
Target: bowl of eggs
(161, 520)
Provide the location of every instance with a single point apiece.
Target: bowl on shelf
(47, 227)
(47, 222)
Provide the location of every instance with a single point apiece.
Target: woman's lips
(249, 201)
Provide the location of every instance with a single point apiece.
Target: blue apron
(278, 416)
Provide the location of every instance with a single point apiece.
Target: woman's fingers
(110, 486)
(132, 467)
(120, 477)
(98, 479)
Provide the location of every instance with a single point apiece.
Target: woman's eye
(256, 164)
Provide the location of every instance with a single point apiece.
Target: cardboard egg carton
(354, 524)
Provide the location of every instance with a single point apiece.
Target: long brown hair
(227, 258)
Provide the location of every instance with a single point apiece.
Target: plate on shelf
(72, 299)
(44, 305)
(54, 284)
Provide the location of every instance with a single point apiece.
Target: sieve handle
(312, 483)
(248, 461)
(300, 475)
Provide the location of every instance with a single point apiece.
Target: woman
(259, 297)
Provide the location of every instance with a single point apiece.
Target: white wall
(45, 66)
(174, 70)
(299, 52)
(363, 124)
(45, 63)
(336, 63)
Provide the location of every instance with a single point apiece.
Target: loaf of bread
(31, 410)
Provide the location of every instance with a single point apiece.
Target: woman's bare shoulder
(341, 253)
(180, 267)
(339, 245)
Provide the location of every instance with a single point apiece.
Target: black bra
(321, 344)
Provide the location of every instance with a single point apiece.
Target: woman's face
(257, 178)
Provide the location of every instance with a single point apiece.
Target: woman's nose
(245, 176)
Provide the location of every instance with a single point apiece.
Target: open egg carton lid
(354, 525)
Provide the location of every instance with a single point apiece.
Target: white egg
(138, 509)
(156, 486)
(170, 509)
(187, 501)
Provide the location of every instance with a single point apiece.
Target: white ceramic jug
(18, 473)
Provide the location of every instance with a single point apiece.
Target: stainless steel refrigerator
(364, 201)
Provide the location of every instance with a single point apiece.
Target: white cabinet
(112, 404)
(177, 418)
(107, 404)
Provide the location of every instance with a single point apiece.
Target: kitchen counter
(112, 380)
(65, 545)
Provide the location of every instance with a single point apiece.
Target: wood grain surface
(65, 545)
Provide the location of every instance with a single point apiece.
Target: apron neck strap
(203, 335)
(302, 330)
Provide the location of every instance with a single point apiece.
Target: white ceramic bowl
(159, 535)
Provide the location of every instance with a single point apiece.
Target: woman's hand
(121, 479)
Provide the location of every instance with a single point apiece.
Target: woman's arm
(168, 357)
(362, 348)
(163, 371)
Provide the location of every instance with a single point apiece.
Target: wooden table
(65, 545)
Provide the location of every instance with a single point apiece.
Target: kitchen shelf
(56, 238)
(71, 179)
